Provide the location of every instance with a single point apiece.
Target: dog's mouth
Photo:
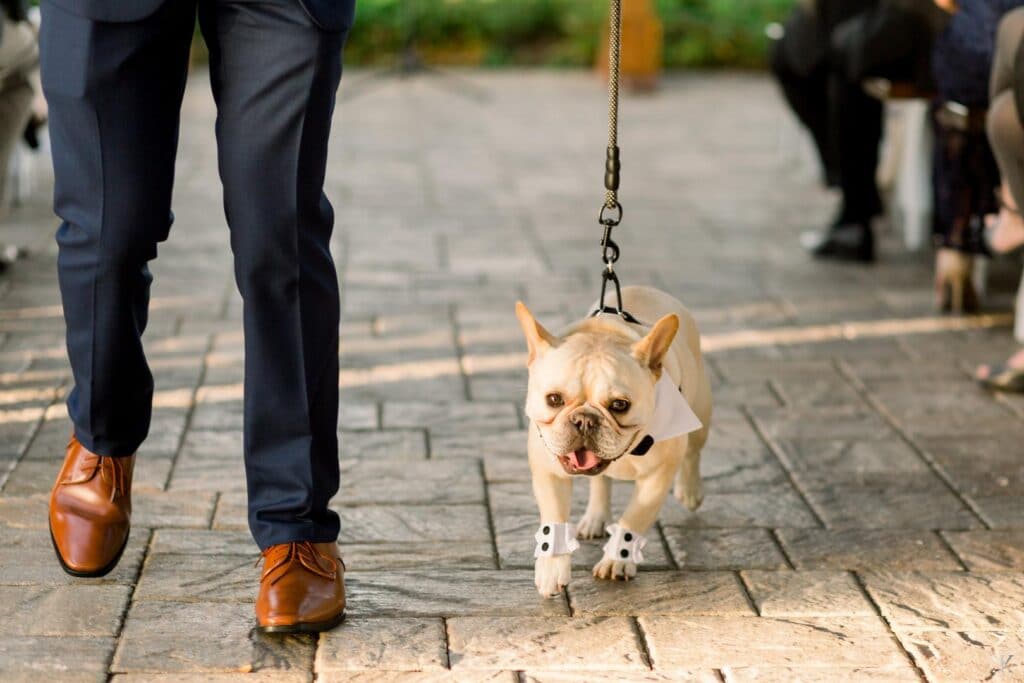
(583, 461)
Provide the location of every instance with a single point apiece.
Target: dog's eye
(619, 405)
(555, 400)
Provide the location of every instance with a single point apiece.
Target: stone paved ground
(864, 517)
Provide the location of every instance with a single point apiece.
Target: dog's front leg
(554, 498)
(627, 537)
(599, 509)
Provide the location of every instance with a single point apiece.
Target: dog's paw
(551, 574)
(593, 525)
(615, 570)
(690, 493)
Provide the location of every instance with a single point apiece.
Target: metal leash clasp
(610, 254)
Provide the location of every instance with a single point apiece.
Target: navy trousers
(115, 90)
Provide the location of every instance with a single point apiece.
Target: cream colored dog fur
(590, 396)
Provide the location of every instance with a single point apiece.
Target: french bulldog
(594, 393)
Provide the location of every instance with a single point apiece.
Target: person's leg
(1008, 38)
(1006, 135)
(15, 110)
(114, 91)
(18, 57)
(857, 126)
(807, 96)
(274, 75)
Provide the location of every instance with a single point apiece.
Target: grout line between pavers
(193, 403)
(673, 563)
(775, 451)
(490, 517)
(949, 546)
(859, 580)
(427, 446)
(131, 601)
(460, 353)
(748, 592)
(33, 436)
(447, 643)
(641, 641)
(851, 378)
(774, 533)
(776, 391)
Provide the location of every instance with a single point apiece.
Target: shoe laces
(116, 474)
(285, 555)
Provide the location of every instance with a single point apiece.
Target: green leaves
(557, 32)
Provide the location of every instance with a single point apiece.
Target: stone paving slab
(580, 644)
(966, 655)
(691, 593)
(864, 500)
(811, 642)
(203, 637)
(807, 594)
(370, 644)
(761, 674)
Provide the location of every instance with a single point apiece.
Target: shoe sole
(304, 627)
(79, 574)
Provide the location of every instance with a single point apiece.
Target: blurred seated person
(1005, 232)
(19, 56)
(965, 173)
(829, 48)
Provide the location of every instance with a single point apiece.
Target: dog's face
(590, 395)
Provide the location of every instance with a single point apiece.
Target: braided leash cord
(614, 48)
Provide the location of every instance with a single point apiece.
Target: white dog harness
(555, 539)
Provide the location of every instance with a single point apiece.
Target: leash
(611, 210)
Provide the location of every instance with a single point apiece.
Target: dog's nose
(585, 421)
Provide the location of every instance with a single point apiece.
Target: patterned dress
(965, 172)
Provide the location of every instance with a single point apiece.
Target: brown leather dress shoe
(302, 589)
(90, 511)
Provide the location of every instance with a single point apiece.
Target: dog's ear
(538, 340)
(651, 350)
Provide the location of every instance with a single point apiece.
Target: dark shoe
(302, 588)
(851, 242)
(1001, 377)
(90, 511)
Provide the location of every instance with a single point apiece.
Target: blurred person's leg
(1008, 39)
(18, 58)
(857, 122)
(1006, 133)
(114, 91)
(807, 96)
(274, 74)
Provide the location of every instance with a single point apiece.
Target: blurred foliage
(557, 32)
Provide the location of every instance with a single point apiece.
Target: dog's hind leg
(689, 488)
(599, 509)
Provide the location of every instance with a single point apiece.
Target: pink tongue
(583, 459)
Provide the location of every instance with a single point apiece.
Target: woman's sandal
(1002, 377)
(954, 283)
(989, 231)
